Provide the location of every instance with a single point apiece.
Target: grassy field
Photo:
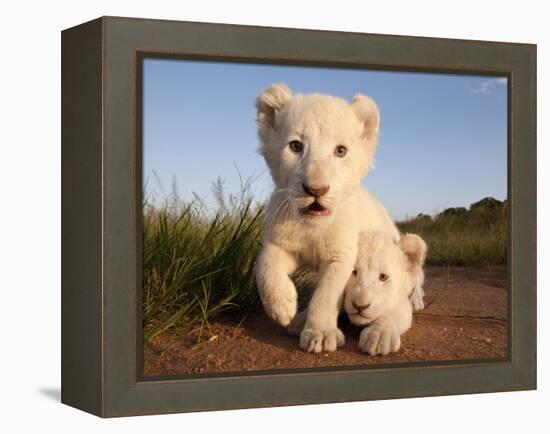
(199, 263)
(459, 236)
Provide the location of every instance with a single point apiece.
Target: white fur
(325, 243)
(384, 305)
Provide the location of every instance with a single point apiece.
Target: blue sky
(442, 142)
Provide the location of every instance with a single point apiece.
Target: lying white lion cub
(379, 291)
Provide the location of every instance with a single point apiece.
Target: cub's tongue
(315, 210)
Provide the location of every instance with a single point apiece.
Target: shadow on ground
(51, 393)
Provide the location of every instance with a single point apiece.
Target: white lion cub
(379, 292)
(318, 149)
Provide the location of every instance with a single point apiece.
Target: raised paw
(315, 341)
(379, 340)
(282, 307)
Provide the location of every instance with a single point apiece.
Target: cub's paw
(417, 298)
(297, 324)
(281, 306)
(315, 341)
(379, 340)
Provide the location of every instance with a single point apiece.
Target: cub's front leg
(321, 332)
(277, 291)
(383, 336)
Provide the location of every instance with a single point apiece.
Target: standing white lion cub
(318, 149)
(379, 292)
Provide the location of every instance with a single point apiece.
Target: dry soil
(465, 319)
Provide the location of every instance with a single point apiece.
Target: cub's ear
(368, 114)
(415, 250)
(272, 99)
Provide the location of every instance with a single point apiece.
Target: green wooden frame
(101, 215)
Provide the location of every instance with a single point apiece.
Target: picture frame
(101, 215)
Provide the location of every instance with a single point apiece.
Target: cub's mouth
(315, 210)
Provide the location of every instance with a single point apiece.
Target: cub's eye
(355, 272)
(296, 146)
(383, 277)
(340, 151)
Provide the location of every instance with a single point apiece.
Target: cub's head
(385, 274)
(317, 147)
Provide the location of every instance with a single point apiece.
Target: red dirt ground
(465, 318)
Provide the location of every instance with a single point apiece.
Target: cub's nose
(315, 192)
(360, 308)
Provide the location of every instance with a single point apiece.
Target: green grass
(473, 237)
(198, 264)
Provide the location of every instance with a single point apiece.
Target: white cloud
(485, 87)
